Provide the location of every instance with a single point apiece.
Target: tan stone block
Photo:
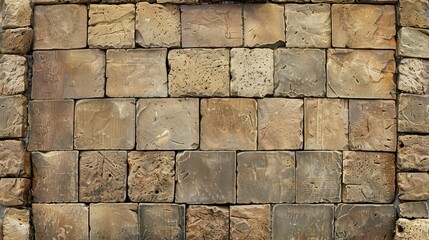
(413, 113)
(330, 1)
(207, 222)
(322, 118)
(17, 13)
(14, 160)
(214, 25)
(14, 191)
(68, 74)
(12, 117)
(62, 1)
(178, 1)
(167, 124)
(60, 26)
(412, 229)
(51, 125)
(250, 222)
(162, 221)
(136, 73)
(414, 209)
(413, 42)
(414, 76)
(414, 13)
(55, 176)
(413, 152)
(377, 1)
(16, 41)
(413, 186)
(103, 176)
(16, 224)
(13, 74)
(198, 72)
(361, 73)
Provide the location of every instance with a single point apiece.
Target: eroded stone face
(14, 160)
(16, 41)
(413, 152)
(414, 76)
(413, 186)
(16, 224)
(210, 222)
(13, 74)
(413, 42)
(162, 221)
(14, 191)
(414, 209)
(413, 113)
(12, 117)
(61, 1)
(414, 13)
(17, 13)
(412, 229)
(250, 222)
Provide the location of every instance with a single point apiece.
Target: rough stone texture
(55, 176)
(136, 73)
(16, 224)
(413, 113)
(206, 177)
(13, 74)
(115, 128)
(14, 160)
(413, 186)
(111, 26)
(364, 221)
(12, 117)
(361, 73)
(252, 72)
(322, 118)
(413, 42)
(413, 152)
(308, 25)
(14, 191)
(68, 74)
(60, 221)
(214, 25)
(368, 177)
(228, 124)
(16, 41)
(151, 176)
(280, 123)
(67, 26)
(414, 13)
(318, 177)
(167, 124)
(414, 76)
(372, 125)
(412, 229)
(250, 222)
(17, 13)
(103, 176)
(178, 1)
(51, 125)
(414, 210)
(114, 221)
(303, 221)
(157, 25)
(294, 78)
(207, 222)
(162, 221)
(266, 177)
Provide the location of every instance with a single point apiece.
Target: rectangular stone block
(16, 224)
(414, 13)
(414, 209)
(16, 41)
(13, 75)
(413, 42)
(413, 113)
(250, 222)
(413, 76)
(162, 221)
(17, 13)
(62, 1)
(12, 117)
(207, 222)
(413, 152)
(14, 191)
(412, 229)
(413, 186)
(14, 160)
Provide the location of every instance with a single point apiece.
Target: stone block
(13, 75)
(178, 1)
(413, 113)
(16, 41)
(13, 115)
(414, 210)
(17, 13)
(413, 76)
(14, 191)
(68, 1)
(413, 186)
(412, 229)
(413, 152)
(413, 42)
(328, 1)
(14, 160)
(250, 222)
(414, 13)
(16, 224)
(207, 222)
(162, 221)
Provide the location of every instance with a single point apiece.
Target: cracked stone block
(266, 177)
(413, 42)
(55, 176)
(318, 177)
(103, 176)
(13, 75)
(16, 41)
(364, 221)
(167, 124)
(252, 72)
(207, 222)
(368, 177)
(68, 74)
(61, 220)
(198, 72)
(294, 78)
(228, 124)
(413, 152)
(413, 186)
(250, 222)
(60, 26)
(17, 13)
(372, 125)
(303, 221)
(136, 73)
(14, 191)
(414, 209)
(414, 13)
(322, 118)
(413, 76)
(12, 117)
(308, 25)
(206, 177)
(280, 123)
(162, 221)
(14, 159)
(111, 26)
(412, 229)
(157, 25)
(214, 25)
(361, 73)
(151, 176)
(16, 224)
(413, 113)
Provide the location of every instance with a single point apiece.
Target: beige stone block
(413, 42)
(17, 13)
(413, 186)
(209, 222)
(12, 117)
(412, 229)
(414, 13)
(329, 1)
(13, 74)
(68, 1)
(14, 159)
(16, 41)
(162, 221)
(413, 152)
(413, 76)
(16, 224)
(14, 191)
(414, 210)
(413, 113)
(250, 222)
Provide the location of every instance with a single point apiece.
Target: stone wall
(188, 119)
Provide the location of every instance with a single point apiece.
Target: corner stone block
(17, 13)
(207, 222)
(413, 76)
(413, 42)
(412, 153)
(14, 191)
(12, 117)
(412, 229)
(413, 113)
(14, 159)
(16, 224)
(414, 13)
(413, 186)
(13, 75)
(250, 222)
(162, 221)
(16, 41)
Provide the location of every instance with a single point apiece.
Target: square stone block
(413, 152)
(14, 159)
(14, 191)
(16, 224)
(413, 42)
(414, 209)
(206, 177)
(12, 117)
(413, 76)
(413, 186)
(414, 13)
(207, 222)
(413, 113)
(13, 75)
(17, 13)
(250, 222)
(167, 124)
(16, 41)
(162, 221)
(412, 229)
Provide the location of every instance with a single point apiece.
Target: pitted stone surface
(16, 41)
(13, 75)
(413, 42)
(413, 186)
(14, 160)
(413, 152)
(414, 209)
(412, 229)
(414, 13)
(250, 222)
(16, 224)
(414, 76)
(413, 113)
(12, 117)
(14, 191)
(162, 221)
(207, 222)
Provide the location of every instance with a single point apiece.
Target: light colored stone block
(413, 152)
(413, 186)
(17, 13)
(14, 191)
(413, 113)
(414, 13)
(413, 76)
(14, 159)
(13, 74)
(250, 222)
(413, 42)
(210, 222)
(12, 117)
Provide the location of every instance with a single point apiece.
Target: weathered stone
(228, 124)
(14, 191)
(308, 25)
(167, 124)
(12, 117)
(178, 1)
(55, 176)
(294, 78)
(413, 113)
(414, 76)
(60, 26)
(66, 1)
(16, 224)
(111, 26)
(322, 118)
(327, 1)
(56, 221)
(207, 222)
(13, 74)
(68, 74)
(51, 125)
(414, 13)
(364, 221)
(14, 160)
(136, 73)
(206, 177)
(151, 176)
(412, 229)
(414, 210)
(250, 222)
(368, 177)
(17, 13)
(280, 123)
(413, 186)
(413, 152)
(252, 72)
(16, 41)
(214, 25)
(198, 72)
(162, 221)
(413, 42)
(303, 221)
(103, 176)
(157, 25)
